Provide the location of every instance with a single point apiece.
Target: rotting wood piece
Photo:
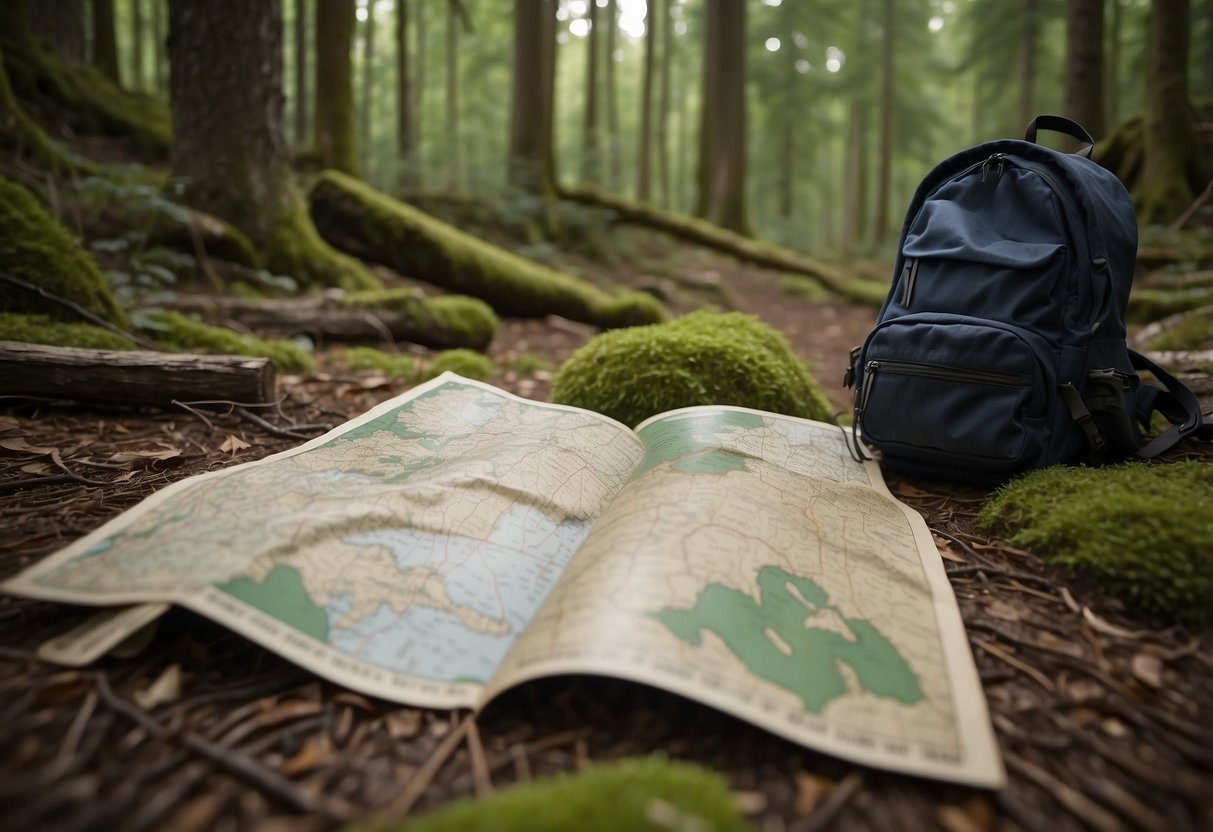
(132, 378)
(328, 319)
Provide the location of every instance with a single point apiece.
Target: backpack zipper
(935, 371)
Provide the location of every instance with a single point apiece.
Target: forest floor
(1104, 718)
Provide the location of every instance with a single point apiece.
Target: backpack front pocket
(941, 392)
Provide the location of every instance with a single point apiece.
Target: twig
(79, 310)
(833, 805)
(1085, 809)
(1192, 209)
(271, 429)
(480, 767)
(997, 652)
(210, 426)
(400, 807)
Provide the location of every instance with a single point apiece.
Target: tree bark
(229, 145)
(301, 63)
(1112, 74)
(1084, 83)
(615, 160)
(136, 79)
(591, 162)
(1172, 146)
(60, 25)
(722, 148)
(531, 154)
(1028, 43)
(855, 187)
(660, 136)
(884, 175)
(368, 96)
(158, 76)
(132, 378)
(453, 148)
(406, 117)
(105, 41)
(644, 163)
(336, 143)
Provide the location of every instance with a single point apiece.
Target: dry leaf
(38, 469)
(9, 424)
(166, 688)
(232, 444)
(1002, 610)
(402, 724)
(315, 751)
(145, 459)
(749, 803)
(1148, 669)
(19, 445)
(811, 790)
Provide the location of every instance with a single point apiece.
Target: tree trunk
(663, 106)
(1084, 82)
(301, 64)
(591, 162)
(855, 185)
(1207, 51)
(229, 146)
(60, 25)
(136, 78)
(884, 180)
(1172, 147)
(406, 117)
(1027, 62)
(615, 162)
(368, 95)
(158, 75)
(419, 78)
(722, 148)
(531, 155)
(105, 40)
(453, 148)
(336, 144)
(132, 378)
(644, 153)
(1115, 58)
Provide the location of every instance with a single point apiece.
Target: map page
(751, 564)
(400, 554)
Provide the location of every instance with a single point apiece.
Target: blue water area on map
(503, 577)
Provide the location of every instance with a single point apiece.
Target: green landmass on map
(691, 448)
(283, 596)
(808, 664)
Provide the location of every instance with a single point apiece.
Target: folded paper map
(458, 540)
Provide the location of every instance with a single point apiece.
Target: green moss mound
(645, 795)
(458, 319)
(704, 358)
(36, 249)
(1145, 532)
(376, 227)
(175, 331)
(296, 249)
(799, 286)
(466, 363)
(39, 329)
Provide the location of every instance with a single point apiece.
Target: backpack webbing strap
(1177, 403)
(1082, 417)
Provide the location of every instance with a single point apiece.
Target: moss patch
(178, 332)
(1194, 332)
(1147, 305)
(1145, 532)
(457, 318)
(296, 249)
(413, 370)
(39, 329)
(376, 227)
(36, 249)
(647, 795)
(704, 358)
(799, 286)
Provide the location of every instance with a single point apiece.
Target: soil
(1103, 717)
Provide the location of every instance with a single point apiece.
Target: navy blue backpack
(1001, 346)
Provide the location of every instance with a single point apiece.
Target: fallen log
(701, 232)
(137, 377)
(374, 227)
(446, 322)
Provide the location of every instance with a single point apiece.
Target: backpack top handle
(1061, 124)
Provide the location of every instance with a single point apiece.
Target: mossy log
(135, 377)
(375, 227)
(1190, 329)
(440, 323)
(701, 232)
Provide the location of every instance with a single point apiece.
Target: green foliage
(704, 358)
(648, 794)
(467, 363)
(382, 229)
(413, 370)
(39, 329)
(453, 319)
(1145, 532)
(175, 331)
(527, 364)
(36, 249)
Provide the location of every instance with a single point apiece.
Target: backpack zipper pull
(999, 159)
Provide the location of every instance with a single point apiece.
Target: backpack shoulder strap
(1177, 403)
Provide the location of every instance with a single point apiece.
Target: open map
(458, 540)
